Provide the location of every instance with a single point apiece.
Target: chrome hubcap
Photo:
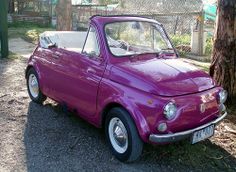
(33, 85)
(118, 135)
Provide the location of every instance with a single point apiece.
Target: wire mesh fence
(184, 20)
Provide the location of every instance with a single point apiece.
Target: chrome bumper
(168, 138)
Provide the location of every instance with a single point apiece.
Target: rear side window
(91, 46)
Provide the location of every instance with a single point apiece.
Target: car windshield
(135, 37)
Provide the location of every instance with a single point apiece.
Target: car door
(55, 73)
(79, 75)
(92, 68)
(44, 59)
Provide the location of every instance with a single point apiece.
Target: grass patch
(28, 32)
(13, 56)
(26, 24)
(201, 65)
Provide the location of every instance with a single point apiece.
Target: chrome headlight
(223, 96)
(170, 110)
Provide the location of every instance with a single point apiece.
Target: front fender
(34, 64)
(114, 93)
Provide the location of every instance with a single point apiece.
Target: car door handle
(55, 56)
(91, 70)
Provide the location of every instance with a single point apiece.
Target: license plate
(203, 134)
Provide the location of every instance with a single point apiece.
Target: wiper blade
(135, 55)
(143, 53)
(166, 51)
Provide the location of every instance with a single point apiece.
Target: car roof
(99, 19)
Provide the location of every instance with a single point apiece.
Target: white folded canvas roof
(70, 40)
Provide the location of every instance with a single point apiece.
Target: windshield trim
(130, 55)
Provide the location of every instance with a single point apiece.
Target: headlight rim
(220, 94)
(165, 111)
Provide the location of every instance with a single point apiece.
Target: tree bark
(64, 15)
(223, 65)
(3, 29)
(11, 6)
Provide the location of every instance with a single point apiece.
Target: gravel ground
(44, 138)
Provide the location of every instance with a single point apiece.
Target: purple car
(124, 75)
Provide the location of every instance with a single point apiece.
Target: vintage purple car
(124, 75)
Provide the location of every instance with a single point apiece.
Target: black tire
(135, 144)
(41, 97)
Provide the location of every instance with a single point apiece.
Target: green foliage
(28, 32)
(209, 46)
(178, 40)
(129, 36)
(32, 35)
(181, 39)
(13, 56)
(106, 2)
(185, 39)
(26, 24)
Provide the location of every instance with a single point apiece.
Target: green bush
(26, 24)
(181, 39)
(209, 46)
(32, 35)
(178, 40)
(186, 40)
(29, 32)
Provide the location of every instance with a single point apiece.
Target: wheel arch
(32, 65)
(106, 109)
(27, 69)
(137, 117)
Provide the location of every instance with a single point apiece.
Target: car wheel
(122, 135)
(33, 87)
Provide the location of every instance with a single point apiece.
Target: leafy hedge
(181, 39)
(185, 39)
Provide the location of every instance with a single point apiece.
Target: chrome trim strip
(167, 138)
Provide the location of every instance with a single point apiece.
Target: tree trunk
(64, 15)
(3, 29)
(223, 65)
(11, 6)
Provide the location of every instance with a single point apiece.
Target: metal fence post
(201, 33)
(4, 29)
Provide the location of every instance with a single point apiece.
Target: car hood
(165, 77)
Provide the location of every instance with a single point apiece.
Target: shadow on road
(55, 141)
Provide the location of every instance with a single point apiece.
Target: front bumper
(168, 138)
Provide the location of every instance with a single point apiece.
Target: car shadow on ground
(56, 141)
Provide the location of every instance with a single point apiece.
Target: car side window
(91, 46)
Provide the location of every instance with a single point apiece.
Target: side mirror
(91, 54)
(52, 45)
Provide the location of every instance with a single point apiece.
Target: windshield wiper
(143, 53)
(166, 51)
(135, 55)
